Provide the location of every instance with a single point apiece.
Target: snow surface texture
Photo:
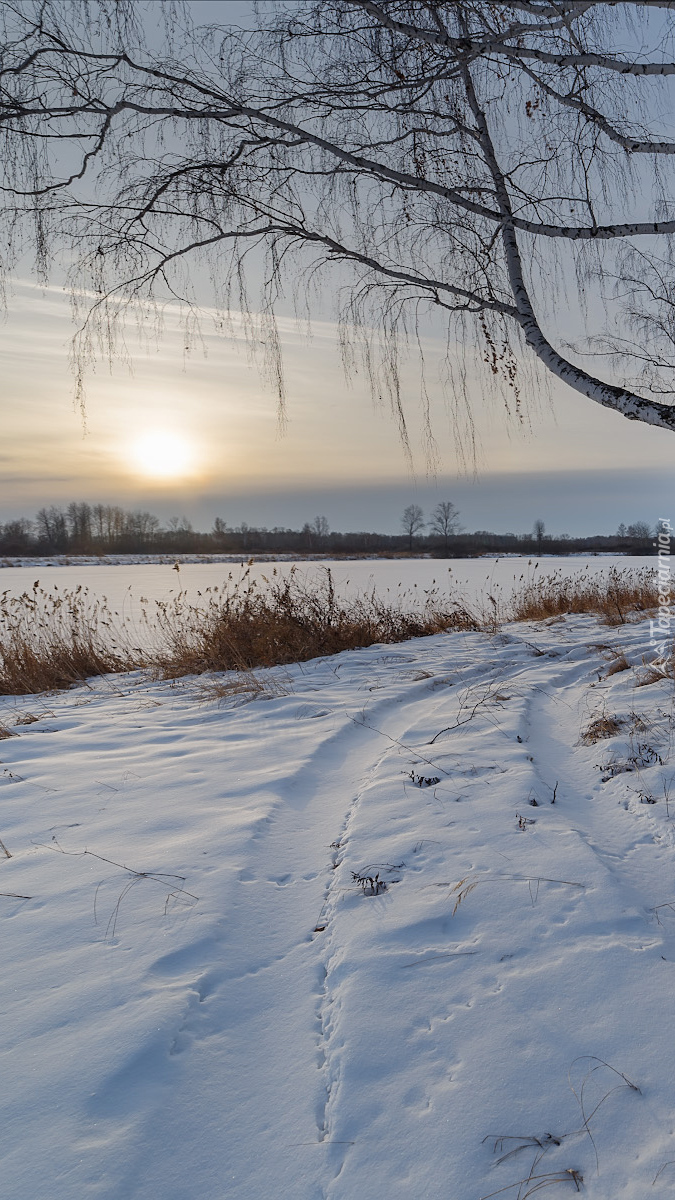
(201, 999)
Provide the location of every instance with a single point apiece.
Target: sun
(162, 455)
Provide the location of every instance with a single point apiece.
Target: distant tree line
(101, 529)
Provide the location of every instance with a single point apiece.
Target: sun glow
(162, 455)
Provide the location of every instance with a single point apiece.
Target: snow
(135, 560)
(200, 1001)
(127, 587)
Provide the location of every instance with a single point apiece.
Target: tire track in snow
(327, 1001)
(425, 703)
(585, 807)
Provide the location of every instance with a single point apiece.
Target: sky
(198, 434)
(576, 466)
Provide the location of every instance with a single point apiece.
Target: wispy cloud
(335, 439)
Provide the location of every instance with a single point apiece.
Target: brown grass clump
(614, 597)
(289, 621)
(54, 640)
(244, 686)
(620, 663)
(603, 726)
(656, 672)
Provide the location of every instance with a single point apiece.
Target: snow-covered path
(199, 1000)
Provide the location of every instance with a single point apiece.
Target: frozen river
(127, 586)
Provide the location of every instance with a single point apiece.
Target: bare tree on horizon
(412, 522)
(445, 521)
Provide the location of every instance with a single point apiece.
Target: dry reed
(57, 639)
(614, 597)
(289, 620)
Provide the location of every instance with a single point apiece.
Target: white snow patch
(201, 999)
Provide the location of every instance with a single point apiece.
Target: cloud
(338, 452)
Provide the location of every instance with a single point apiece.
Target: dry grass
(243, 686)
(620, 663)
(603, 726)
(656, 672)
(288, 621)
(615, 598)
(54, 640)
(57, 639)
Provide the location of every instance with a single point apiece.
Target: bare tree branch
(427, 156)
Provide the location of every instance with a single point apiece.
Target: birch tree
(494, 166)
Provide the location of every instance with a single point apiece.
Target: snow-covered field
(201, 1000)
